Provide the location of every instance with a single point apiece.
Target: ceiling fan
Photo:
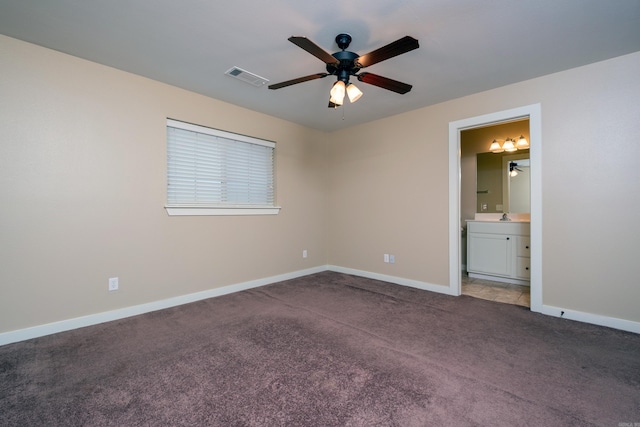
(345, 64)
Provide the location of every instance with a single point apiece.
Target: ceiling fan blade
(398, 47)
(384, 82)
(313, 49)
(298, 80)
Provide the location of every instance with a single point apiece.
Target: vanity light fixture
(509, 145)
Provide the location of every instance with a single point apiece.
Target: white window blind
(209, 168)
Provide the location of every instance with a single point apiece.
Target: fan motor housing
(347, 63)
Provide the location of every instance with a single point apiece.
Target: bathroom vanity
(499, 250)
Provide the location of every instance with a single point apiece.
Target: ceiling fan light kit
(344, 64)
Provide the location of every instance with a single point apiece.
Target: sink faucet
(505, 217)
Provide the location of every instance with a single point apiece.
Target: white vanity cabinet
(499, 250)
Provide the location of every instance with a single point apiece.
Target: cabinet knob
(507, 238)
(527, 247)
(526, 268)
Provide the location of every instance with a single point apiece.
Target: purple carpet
(326, 350)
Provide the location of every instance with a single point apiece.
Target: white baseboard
(94, 319)
(594, 319)
(393, 279)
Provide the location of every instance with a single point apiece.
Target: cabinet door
(489, 254)
(523, 269)
(524, 246)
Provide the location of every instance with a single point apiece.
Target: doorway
(532, 112)
(494, 182)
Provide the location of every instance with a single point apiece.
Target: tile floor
(495, 291)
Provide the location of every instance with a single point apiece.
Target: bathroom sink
(497, 217)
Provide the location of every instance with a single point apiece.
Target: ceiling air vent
(247, 77)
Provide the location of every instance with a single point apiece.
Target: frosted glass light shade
(495, 147)
(337, 93)
(522, 143)
(508, 145)
(353, 92)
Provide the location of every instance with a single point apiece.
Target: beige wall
(388, 193)
(388, 187)
(82, 164)
(82, 167)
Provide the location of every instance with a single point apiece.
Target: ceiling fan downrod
(346, 66)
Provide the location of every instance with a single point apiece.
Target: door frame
(533, 113)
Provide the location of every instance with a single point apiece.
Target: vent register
(246, 76)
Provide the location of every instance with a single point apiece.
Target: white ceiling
(466, 46)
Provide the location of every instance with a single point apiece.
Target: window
(212, 172)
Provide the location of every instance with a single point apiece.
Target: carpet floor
(327, 349)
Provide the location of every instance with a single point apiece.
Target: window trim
(217, 211)
(200, 210)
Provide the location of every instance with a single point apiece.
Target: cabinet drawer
(498, 227)
(523, 267)
(524, 246)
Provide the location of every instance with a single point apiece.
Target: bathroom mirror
(502, 182)
(484, 187)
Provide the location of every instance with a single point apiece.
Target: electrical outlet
(386, 257)
(392, 259)
(304, 253)
(113, 284)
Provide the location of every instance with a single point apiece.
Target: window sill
(209, 211)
